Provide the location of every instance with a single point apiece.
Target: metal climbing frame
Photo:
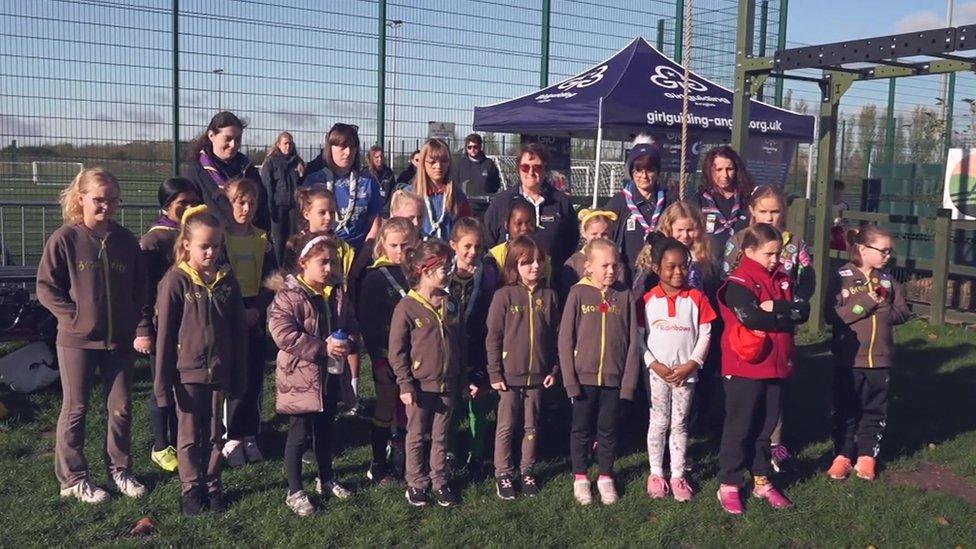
(843, 64)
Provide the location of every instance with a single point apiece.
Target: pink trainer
(681, 489)
(775, 498)
(728, 496)
(657, 487)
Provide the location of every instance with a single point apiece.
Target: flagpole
(599, 145)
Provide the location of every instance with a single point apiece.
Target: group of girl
(451, 323)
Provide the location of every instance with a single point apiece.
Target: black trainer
(505, 487)
(417, 497)
(445, 496)
(193, 505)
(216, 502)
(378, 474)
(530, 486)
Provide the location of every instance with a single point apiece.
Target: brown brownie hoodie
(95, 286)
(521, 341)
(201, 333)
(425, 349)
(157, 253)
(598, 339)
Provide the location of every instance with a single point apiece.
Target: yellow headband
(192, 211)
(586, 214)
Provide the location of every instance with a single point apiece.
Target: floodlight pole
(176, 87)
(599, 145)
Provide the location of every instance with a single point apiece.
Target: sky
(825, 21)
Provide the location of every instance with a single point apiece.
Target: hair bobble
(192, 211)
(430, 263)
(587, 214)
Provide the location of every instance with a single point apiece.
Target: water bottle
(336, 367)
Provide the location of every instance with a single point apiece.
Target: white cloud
(963, 14)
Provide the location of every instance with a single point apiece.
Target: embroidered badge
(710, 223)
(785, 285)
(857, 309)
(604, 307)
(845, 293)
(845, 272)
(547, 218)
(886, 283)
(791, 248)
(729, 246)
(631, 223)
(787, 265)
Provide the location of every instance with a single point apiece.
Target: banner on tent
(670, 145)
(769, 160)
(560, 157)
(959, 191)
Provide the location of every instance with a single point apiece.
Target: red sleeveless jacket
(777, 360)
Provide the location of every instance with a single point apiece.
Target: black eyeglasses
(887, 252)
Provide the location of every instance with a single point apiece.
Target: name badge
(547, 218)
(710, 223)
(631, 223)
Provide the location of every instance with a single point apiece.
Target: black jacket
(559, 232)
(213, 196)
(386, 180)
(628, 233)
(280, 177)
(476, 176)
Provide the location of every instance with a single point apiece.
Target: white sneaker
(581, 491)
(333, 488)
(251, 451)
(300, 504)
(86, 492)
(234, 453)
(124, 483)
(608, 491)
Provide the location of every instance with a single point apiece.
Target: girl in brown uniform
(199, 355)
(425, 353)
(91, 278)
(521, 347)
(599, 358)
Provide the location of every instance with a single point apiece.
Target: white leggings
(669, 409)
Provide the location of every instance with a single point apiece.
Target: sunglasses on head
(534, 168)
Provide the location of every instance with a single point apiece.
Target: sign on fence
(959, 191)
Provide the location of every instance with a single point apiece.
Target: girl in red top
(760, 315)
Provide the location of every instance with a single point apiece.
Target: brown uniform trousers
(77, 368)
(515, 402)
(429, 415)
(198, 437)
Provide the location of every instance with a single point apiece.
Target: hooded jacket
(628, 232)
(280, 177)
(300, 320)
(157, 255)
(477, 176)
(474, 297)
(599, 343)
(95, 286)
(425, 349)
(200, 334)
(863, 329)
(521, 340)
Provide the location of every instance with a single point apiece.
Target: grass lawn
(931, 422)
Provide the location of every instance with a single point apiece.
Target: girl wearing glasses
(444, 202)
(866, 303)
(557, 229)
(358, 198)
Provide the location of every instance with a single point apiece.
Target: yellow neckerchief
(162, 228)
(246, 254)
(438, 311)
(587, 282)
(383, 261)
(326, 292)
(198, 280)
(499, 252)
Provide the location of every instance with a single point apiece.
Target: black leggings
(594, 405)
(317, 427)
(244, 413)
(752, 407)
(162, 420)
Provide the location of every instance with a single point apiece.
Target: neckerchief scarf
(215, 174)
(726, 224)
(635, 211)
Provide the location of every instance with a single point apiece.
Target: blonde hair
(70, 196)
(395, 225)
(274, 150)
(700, 248)
(599, 244)
(401, 197)
(439, 149)
(196, 216)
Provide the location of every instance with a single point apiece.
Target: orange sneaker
(864, 468)
(840, 469)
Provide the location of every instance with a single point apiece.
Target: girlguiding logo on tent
(671, 79)
(584, 80)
